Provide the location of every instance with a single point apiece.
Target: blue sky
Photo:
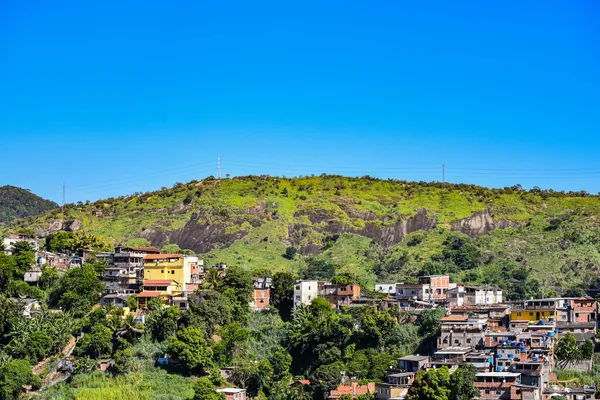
(116, 97)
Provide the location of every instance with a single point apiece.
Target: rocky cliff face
(205, 230)
(482, 222)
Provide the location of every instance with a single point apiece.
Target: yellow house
(181, 269)
(535, 310)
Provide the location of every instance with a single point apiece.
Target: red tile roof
(158, 282)
(353, 389)
(148, 294)
(152, 249)
(455, 318)
(161, 256)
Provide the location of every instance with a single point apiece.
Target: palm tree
(211, 281)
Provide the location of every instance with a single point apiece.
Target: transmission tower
(63, 195)
(218, 167)
(443, 172)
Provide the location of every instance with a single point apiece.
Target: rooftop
(158, 282)
(146, 294)
(413, 358)
(161, 256)
(498, 374)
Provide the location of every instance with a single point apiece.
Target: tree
(13, 376)
(84, 365)
(566, 350)
(241, 282)
(233, 344)
(124, 362)
(96, 343)
(462, 383)
(78, 290)
(586, 350)
(282, 294)
(290, 252)
(326, 378)
(212, 309)
(162, 323)
(49, 278)
(205, 390)
(131, 302)
(430, 321)
(281, 362)
(252, 375)
(189, 346)
(431, 385)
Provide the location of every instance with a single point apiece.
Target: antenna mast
(218, 167)
(443, 172)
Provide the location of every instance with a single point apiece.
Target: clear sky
(114, 97)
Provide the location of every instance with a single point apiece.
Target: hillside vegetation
(376, 230)
(20, 203)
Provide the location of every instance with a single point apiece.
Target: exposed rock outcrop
(482, 222)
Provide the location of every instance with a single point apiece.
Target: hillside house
(261, 296)
(462, 295)
(339, 294)
(233, 393)
(386, 288)
(413, 363)
(16, 237)
(32, 276)
(183, 270)
(306, 291)
(461, 331)
(497, 385)
(387, 391)
(354, 389)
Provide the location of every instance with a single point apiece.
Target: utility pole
(443, 172)
(218, 167)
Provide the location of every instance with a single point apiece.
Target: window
(297, 287)
(468, 340)
(530, 314)
(576, 315)
(172, 272)
(518, 314)
(162, 271)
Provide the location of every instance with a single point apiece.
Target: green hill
(20, 203)
(378, 230)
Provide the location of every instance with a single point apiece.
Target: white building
(387, 288)
(13, 238)
(473, 296)
(305, 292)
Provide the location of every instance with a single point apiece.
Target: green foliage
(21, 203)
(462, 383)
(190, 347)
(282, 294)
(124, 363)
(97, 343)
(71, 242)
(35, 338)
(431, 385)
(205, 390)
(430, 321)
(233, 344)
(49, 278)
(78, 290)
(162, 323)
(290, 252)
(84, 365)
(13, 376)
